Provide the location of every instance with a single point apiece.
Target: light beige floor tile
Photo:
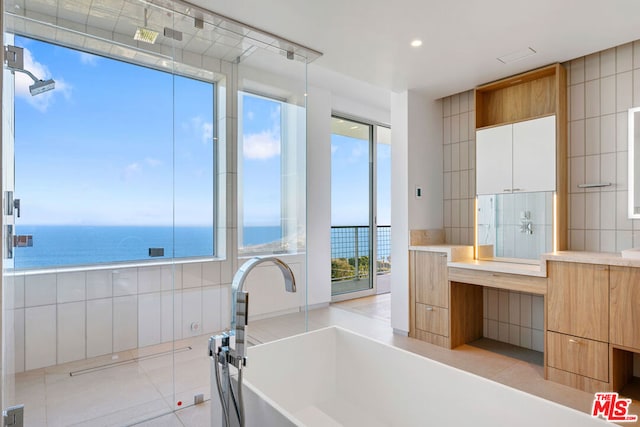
(196, 416)
(169, 420)
(153, 384)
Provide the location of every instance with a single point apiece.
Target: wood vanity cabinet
(429, 317)
(578, 325)
(578, 298)
(625, 307)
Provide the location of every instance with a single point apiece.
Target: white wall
(400, 211)
(416, 160)
(318, 196)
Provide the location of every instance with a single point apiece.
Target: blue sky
(99, 149)
(261, 167)
(350, 181)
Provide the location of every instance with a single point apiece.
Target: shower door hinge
(14, 56)
(14, 416)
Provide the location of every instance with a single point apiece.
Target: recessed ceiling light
(416, 43)
(516, 56)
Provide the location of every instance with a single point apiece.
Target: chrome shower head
(41, 86)
(14, 57)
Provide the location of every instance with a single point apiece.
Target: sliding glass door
(359, 177)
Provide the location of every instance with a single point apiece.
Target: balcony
(350, 265)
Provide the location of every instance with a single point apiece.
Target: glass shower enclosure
(120, 180)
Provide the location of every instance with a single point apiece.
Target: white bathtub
(333, 377)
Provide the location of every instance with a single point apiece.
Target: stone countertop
(461, 256)
(536, 270)
(455, 253)
(605, 258)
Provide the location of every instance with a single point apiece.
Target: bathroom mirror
(634, 163)
(515, 227)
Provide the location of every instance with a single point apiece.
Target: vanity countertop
(461, 256)
(536, 270)
(455, 253)
(605, 258)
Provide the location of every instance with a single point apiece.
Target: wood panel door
(625, 306)
(578, 300)
(431, 280)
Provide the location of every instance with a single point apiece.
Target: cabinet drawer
(432, 319)
(578, 355)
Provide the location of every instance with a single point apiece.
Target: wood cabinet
(431, 278)
(429, 297)
(625, 307)
(578, 325)
(519, 157)
(581, 356)
(578, 300)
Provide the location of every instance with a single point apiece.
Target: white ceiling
(369, 39)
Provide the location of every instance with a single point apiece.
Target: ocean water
(55, 246)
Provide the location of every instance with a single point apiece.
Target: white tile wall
(40, 289)
(71, 287)
(149, 318)
(211, 314)
(99, 327)
(210, 273)
(18, 339)
(149, 279)
(599, 221)
(191, 312)
(40, 336)
(514, 317)
(125, 323)
(125, 281)
(99, 284)
(71, 332)
(192, 275)
(171, 311)
(458, 165)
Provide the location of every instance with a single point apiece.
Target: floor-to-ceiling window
(270, 176)
(97, 174)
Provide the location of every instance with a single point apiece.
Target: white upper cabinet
(518, 157)
(493, 160)
(534, 155)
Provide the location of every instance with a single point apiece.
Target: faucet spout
(240, 298)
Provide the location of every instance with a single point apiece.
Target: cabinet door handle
(573, 341)
(429, 308)
(517, 189)
(507, 190)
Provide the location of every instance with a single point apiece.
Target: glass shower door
(92, 245)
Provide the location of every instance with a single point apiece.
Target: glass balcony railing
(350, 252)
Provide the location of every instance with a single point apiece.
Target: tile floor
(145, 386)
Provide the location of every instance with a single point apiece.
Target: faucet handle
(242, 309)
(242, 314)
